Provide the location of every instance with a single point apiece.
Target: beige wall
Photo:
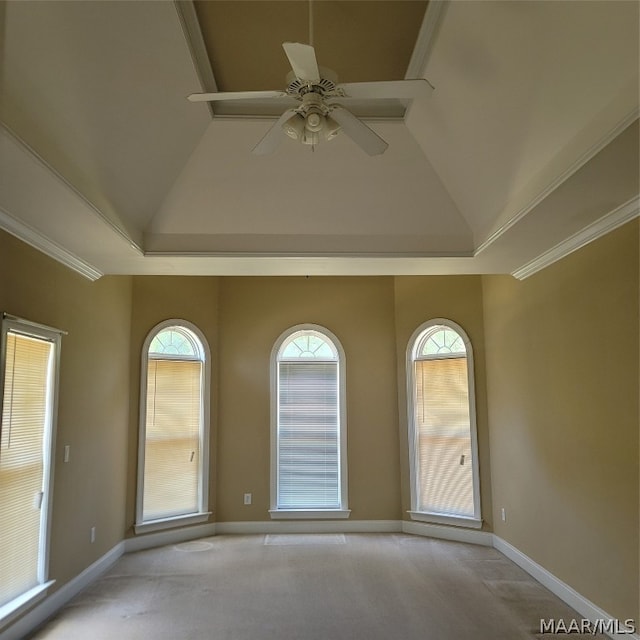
(93, 417)
(562, 371)
(458, 298)
(242, 318)
(254, 312)
(372, 317)
(562, 426)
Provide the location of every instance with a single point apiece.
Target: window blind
(25, 418)
(444, 437)
(172, 446)
(308, 439)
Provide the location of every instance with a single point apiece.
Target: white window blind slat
(26, 404)
(308, 436)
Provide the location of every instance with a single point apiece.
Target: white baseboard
(456, 534)
(50, 605)
(570, 596)
(169, 536)
(309, 526)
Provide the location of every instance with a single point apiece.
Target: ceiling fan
(319, 116)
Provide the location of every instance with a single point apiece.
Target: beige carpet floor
(311, 587)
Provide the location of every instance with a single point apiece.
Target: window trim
(203, 513)
(21, 603)
(313, 513)
(475, 521)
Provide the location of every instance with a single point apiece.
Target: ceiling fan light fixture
(311, 138)
(314, 122)
(294, 127)
(331, 128)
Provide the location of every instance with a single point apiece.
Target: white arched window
(173, 451)
(308, 425)
(443, 446)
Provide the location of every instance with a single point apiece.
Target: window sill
(436, 518)
(16, 607)
(309, 514)
(169, 523)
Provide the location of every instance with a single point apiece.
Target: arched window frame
(415, 342)
(285, 513)
(203, 513)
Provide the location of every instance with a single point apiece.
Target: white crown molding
(610, 221)
(577, 164)
(195, 42)
(426, 37)
(38, 241)
(69, 186)
(570, 596)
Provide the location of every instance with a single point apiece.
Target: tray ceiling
(527, 148)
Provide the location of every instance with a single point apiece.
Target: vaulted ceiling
(527, 148)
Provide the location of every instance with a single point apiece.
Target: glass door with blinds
(29, 372)
(444, 450)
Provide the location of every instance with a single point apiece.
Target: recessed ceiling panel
(526, 139)
(525, 93)
(335, 198)
(360, 41)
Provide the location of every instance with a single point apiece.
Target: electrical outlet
(503, 514)
(247, 498)
(92, 535)
(67, 452)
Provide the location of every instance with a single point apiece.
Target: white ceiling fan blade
(273, 137)
(418, 88)
(302, 58)
(235, 95)
(367, 139)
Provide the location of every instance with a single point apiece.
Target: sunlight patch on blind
(24, 421)
(172, 446)
(444, 437)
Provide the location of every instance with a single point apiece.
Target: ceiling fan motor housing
(326, 84)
